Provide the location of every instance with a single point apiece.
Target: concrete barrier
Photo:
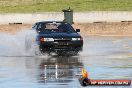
(79, 17)
(103, 16)
(29, 17)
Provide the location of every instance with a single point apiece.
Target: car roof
(51, 22)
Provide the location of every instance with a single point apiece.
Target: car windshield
(55, 28)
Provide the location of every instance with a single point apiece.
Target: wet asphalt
(103, 58)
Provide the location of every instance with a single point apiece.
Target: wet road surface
(102, 57)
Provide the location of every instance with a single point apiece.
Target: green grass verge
(11, 6)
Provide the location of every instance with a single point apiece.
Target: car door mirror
(77, 30)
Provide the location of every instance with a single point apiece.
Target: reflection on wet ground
(102, 57)
(42, 71)
(59, 69)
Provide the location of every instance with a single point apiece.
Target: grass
(14, 6)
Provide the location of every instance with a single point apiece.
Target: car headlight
(75, 39)
(48, 39)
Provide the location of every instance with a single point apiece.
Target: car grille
(62, 39)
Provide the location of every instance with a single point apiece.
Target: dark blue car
(58, 37)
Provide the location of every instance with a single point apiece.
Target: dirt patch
(106, 29)
(102, 29)
(13, 28)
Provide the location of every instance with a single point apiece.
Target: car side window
(34, 26)
(39, 26)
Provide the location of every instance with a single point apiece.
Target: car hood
(60, 35)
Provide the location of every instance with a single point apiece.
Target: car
(58, 37)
